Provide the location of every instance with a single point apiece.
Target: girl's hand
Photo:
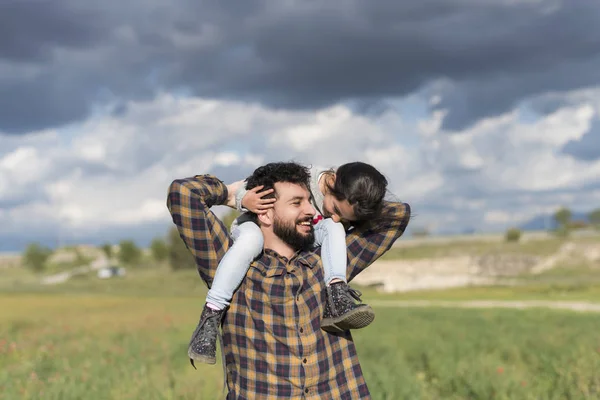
(254, 201)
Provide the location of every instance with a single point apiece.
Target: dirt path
(559, 305)
(98, 263)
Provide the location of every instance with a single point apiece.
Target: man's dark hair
(363, 186)
(268, 175)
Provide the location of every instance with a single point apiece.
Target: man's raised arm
(189, 201)
(366, 246)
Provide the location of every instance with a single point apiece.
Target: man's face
(292, 216)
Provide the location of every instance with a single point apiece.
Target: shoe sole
(355, 319)
(202, 359)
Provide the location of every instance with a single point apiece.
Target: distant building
(111, 272)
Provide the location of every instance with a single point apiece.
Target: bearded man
(273, 342)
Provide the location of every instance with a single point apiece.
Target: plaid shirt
(274, 346)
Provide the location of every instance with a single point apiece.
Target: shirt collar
(307, 258)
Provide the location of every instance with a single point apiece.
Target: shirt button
(304, 361)
(301, 330)
(305, 390)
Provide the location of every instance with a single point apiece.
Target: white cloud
(510, 155)
(227, 158)
(115, 169)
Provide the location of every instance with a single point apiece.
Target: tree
(36, 256)
(420, 231)
(594, 217)
(159, 249)
(129, 253)
(513, 235)
(179, 255)
(107, 249)
(563, 217)
(230, 217)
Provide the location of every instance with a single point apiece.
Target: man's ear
(266, 218)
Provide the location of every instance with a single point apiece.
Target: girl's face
(338, 211)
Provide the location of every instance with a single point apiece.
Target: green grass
(126, 338)
(535, 247)
(491, 354)
(544, 247)
(59, 346)
(550, 292)
(99, 347)
(140, 281)
(576, 283)
(147, 277)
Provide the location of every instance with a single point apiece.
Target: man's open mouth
(305, 226)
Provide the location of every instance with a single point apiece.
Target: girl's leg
(247, 245)
(340, 309)
(331, 236)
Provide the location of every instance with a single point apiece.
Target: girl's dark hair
(363, 186)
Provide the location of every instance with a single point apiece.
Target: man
(274, 346)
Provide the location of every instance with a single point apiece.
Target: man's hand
(255, 202)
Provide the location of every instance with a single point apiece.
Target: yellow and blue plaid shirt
(274, 346)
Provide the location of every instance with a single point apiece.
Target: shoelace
(355, 293)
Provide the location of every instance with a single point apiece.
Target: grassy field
(579, 283)
(76, 346)
(126, 338)
(534, 247)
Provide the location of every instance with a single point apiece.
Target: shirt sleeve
(189, 201)
(239, 195)
(366, 246)
(316, 170)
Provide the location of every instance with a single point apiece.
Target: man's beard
(290, 235)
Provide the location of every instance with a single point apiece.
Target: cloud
(50, 25)
(60, 62)
(106, 177)
(113, 170)
(588, 146)
(509, 166)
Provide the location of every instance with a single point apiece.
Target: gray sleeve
(315, 170)
(239, 195)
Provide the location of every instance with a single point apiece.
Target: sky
(481, 114)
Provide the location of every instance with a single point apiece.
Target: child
(347, 197)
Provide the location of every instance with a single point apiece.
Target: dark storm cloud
(300, 54)
(31, 30)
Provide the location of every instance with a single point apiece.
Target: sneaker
(341, 311)
(203, 345)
